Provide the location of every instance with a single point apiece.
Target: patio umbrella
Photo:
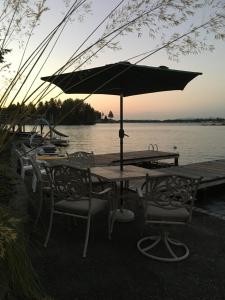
(123, 79)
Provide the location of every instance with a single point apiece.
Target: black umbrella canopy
(122, 78)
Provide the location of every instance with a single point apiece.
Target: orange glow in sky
(203, 97)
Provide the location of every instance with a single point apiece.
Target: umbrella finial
(163, 67)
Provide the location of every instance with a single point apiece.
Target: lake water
(194, 142)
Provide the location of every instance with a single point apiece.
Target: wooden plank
(184, 172)
(210, 164)
(217, 167)
(134, 157)
(208, 170)
(205, 172)
(212, 172)
(205, 185)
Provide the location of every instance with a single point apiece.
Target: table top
(113, 173)
(50, 157)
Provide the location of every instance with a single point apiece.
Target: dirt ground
(115, 269)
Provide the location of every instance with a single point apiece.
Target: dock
(147, 157)
(211, 172)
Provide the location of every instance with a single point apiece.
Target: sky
(203, 97)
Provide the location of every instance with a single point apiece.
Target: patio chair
(24, 163)
(72, 195)
(168, 200)
(40, 184)
(82, 159)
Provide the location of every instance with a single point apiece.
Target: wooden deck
(212, 172)
(136, 157)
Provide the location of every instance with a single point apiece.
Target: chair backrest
(82, 159)
(24, 160)
(18, 153)
(69, 182)
(171, 191)
(27, 151)
(36, 168)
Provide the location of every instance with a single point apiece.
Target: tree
(18, 20)
(110, 115)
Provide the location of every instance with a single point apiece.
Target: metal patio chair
(72, 195)
(82, 159)
(24, 163)
(168, 200)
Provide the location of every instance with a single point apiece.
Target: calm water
(195, 143)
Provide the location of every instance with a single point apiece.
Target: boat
(58, 138)
(44, 152)
(29, 137)
(213, 123)
(53, 136)
(47, 149)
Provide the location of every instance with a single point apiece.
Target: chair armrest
(105, 191)
(41, 163)
(140, 192)
(26, 160)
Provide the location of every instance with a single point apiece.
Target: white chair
(167, 200)
(72, 195)
(40, 184)
(24, 161)
(82, 159)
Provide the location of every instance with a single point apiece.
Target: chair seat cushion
(27, 167)
(169, 214)
(81, 206)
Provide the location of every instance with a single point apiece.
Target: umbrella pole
(121, 132)
(122, 215)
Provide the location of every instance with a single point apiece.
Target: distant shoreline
(208, 121)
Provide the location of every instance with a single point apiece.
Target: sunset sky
(202, 97)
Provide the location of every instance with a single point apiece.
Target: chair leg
(87, 237)
(167, 242)
(39, 209)
(110, 225)
(49, 229)
(34, 183)
(111, 221)
(22, 172)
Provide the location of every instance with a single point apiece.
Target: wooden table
(47, 157)
(114, 174)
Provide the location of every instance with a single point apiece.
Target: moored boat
(29, 137)
(58, 138)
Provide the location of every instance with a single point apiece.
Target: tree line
(67, 112)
